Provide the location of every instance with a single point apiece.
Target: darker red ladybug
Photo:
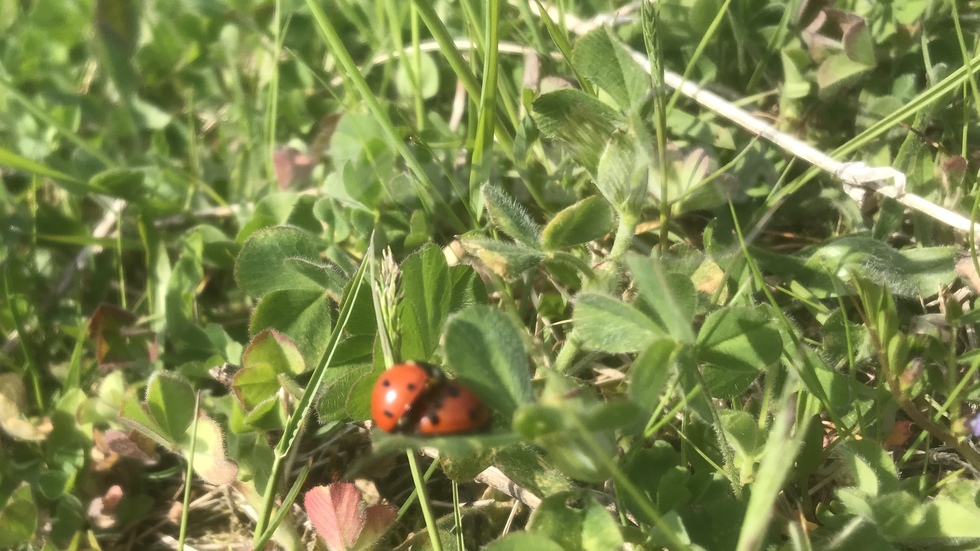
(416, 397)
(452, 409)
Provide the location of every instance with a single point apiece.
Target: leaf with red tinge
(900, 434)
(339, 515)
(210, 461)
(118, 342)
(379, 518)
(101, 510)
(292, 166)
(275, 349)
(113, 444)
(952, 171)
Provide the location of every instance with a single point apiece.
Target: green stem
(624, 235)
(448, 48)
(567, 353)
(430, 519)
(483, 148)
(189, 477)
(416, 65)
(301, 413)
(652, 33)
(575, 262)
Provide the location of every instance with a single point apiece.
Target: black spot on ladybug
(411, 386)
(389, 414)
(386, 382)
(433, 418)
(452, 390)
(474, 414)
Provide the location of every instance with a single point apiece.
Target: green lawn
(706, 266)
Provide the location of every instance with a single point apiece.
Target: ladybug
(398, 390)
(452, 409)
(417, 398)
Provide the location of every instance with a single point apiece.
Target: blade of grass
(303, 407)
(778, 459)
(564, 46)
(506, 96)
(967, 60)
(283, 510)
(483, 148)
(244, 171)
(654, 46)
(336, 45)
(114, 41)
(17, 162)
(640, 499)
(457, 517)
(804, 370)
(778, 37)
(411, 65)
(458, 64)
(698, 51)
(430, 521)
(410, 500)
(33, 370)
(417, 66)
(272, 92)
(354, 14)
(189, 476)
(524, 6)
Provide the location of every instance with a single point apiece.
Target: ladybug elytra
(417, 398)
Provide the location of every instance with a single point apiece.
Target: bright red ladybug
(416, 397)
(397, 391)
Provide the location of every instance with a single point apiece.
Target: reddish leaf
(291, 166)
(338, 514)
(132, 444)
(953, 171)
(901, 432)
(117, 343)
(112, 444)
(912, 374)
(379, 518)
(210, 461)
(101, 510)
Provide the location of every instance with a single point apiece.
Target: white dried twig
(496, 479)
(462, 44)
(856, 177)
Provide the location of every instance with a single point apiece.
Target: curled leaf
(13, 399)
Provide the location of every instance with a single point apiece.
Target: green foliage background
(222, 220)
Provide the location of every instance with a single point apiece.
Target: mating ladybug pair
(418, 398)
